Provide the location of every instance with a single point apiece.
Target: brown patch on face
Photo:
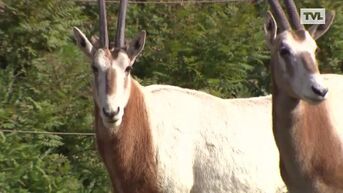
(285, 54)
(110, 81)
(299, 35)
(289, 65)
(129, 155)
(108, 54)
(115, 52)
(308, 62)
(109, 78)
(110, 73)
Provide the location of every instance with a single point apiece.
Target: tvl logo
(312, 16)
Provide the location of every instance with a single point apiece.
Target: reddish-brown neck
(128, 154)
(309, 147)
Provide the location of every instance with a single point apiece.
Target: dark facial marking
(299, 35)
(308, 62)
(289, 66)
(286, 55)
(110, 78)
(115, 53)
(285, 51)
(108, 54)
(94, 69)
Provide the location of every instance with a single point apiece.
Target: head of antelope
(294, 65)
(111, 71)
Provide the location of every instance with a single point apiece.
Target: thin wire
(168, 2)
(46, 132)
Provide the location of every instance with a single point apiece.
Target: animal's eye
(284, 51)
(128, 69)
(94, 69)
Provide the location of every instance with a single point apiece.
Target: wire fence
(46, 132)
(171, 2)
(117, 2)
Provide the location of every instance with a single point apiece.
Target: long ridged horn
(120, 34)
(103, 24)
(279, 15)
(293, 15)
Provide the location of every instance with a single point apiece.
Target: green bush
(45, 79)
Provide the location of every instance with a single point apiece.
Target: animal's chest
(106, 151)
(129, 172)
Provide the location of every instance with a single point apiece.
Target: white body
(207, 144)
(201, 143)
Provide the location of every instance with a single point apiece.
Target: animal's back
(208, 144)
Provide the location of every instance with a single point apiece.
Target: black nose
(320, 91)
(110, 114)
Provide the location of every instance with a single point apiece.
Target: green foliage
(31, 27)
(44, 85)
(331, 44)
(50, 163)
(215, 48)
(45, 79)
(28, 167)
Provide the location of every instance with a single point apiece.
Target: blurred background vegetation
(45, 80)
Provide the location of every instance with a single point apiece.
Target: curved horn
(293, 15)
(120, 35)
(103, 24)
(279, 15)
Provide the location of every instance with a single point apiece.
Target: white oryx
(307, 122)
(173, 140)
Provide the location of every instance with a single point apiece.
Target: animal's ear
(84, 44)
(270, 29)
(318, 30)
(136, 46)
